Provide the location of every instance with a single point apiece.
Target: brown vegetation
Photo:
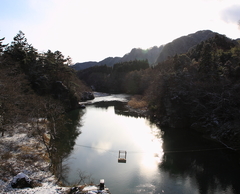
(137, 102)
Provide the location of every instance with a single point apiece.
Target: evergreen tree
(206, 59)
(2, 46)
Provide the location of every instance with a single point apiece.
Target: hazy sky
(91, 30)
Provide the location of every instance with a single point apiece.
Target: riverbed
(157, 161)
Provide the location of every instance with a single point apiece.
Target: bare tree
(83, 177)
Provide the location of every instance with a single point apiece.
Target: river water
(158, 160)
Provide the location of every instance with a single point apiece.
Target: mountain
(150, 54)
(110, 61)
(84, 65)
(154, 54)
(183, 44)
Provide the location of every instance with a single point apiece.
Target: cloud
(231, 14)
(102, 146)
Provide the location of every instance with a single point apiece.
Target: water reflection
(205, 165)
(119, 108)
(107, 128)
(63, 144)
(158, 161)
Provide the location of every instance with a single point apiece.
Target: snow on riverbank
(48, 186)
(20, 152)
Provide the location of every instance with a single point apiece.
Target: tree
(206, 59)
(68, 61)
(18, 47)
(2, 46)
(20, 53)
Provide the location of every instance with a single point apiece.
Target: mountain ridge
(154, 54)
(183, 44)
(135, 54)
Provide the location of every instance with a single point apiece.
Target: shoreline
(21, 152)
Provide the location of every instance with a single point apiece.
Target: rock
(74, 190)
(21, 180)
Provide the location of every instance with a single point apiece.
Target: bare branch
(83, 178)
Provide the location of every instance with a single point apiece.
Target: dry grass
(19, 152)
(137, 102)
(27, 149)
(30, 154)
(7, 169)
(6, 156)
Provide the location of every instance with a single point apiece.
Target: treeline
(121, 78)
(38, 89)
(199, 79)
(199, 89)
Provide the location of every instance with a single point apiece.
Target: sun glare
(148, 142)
(152, 154)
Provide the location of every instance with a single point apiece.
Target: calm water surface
(158, 160)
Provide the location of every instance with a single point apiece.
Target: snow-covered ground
(48, 186)
(21, 152)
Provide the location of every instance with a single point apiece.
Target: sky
(92, 30)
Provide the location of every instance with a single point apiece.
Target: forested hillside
(154, 54)
(35, 85)
(183, 44)
(121, 78)
(199, 89)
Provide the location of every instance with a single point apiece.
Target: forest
(199, 89)
(37, 89)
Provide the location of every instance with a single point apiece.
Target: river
(157, 161)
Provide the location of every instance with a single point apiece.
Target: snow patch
(17, 151)
(20, 176)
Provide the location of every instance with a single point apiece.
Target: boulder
(21, 180)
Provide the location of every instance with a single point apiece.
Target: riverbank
(225, 135)
(138, 105)
(21, 152)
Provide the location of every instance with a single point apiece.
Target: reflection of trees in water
(119, 108)
(63, 143)
(211, 169)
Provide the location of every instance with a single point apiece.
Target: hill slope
(150, 54)
(183, 44)
(154, 54)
